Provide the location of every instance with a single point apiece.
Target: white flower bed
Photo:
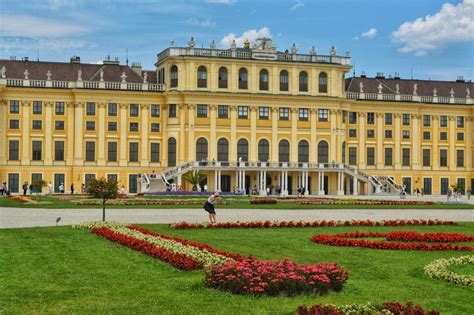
(97, 224)
(438, 269)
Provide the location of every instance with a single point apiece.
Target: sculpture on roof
(213, 44)
(192, 43)
(4, 72)
(101, 73)
(468, 93)
(451, 92)
(435, 92)
(312, 51)
(247, 43)
(79, 75)
(361, 87)
(233, 46)
(397, 88)
(333, 51)
(145, 77)
(26, 73)
(264, 43)
(123, 77)
(380, 87)
(294, 49)
(48, 75)
(415, 88)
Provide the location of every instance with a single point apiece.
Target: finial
(123, 77)
(247, 43)
(312, 51)
(79, 75)
(333, 51)
(4, 72)
(294, 49)
(192, 43)
(380, 87)
(145, 76)
(48, 75)
(213, 44)
(26, 73)
(348, 53)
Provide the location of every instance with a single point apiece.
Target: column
(294, 136)
(338, 136)
(101, 135)
(274, 144)
(212, 136)
(70, 134)
(253, 134)
(333, 144)
(321, 183)
(191, 141)
(233, 134)
(362, 160)
(398, 148)
(313, 154)
(123, 135)
(48, 135)
(355, 186)
(3, 132)
(452, 141)
(380, 137)
(144, 161)
(416, 135)
(164, 142)
(306, 182)
(243, 182)
(237, 179)
(78, 133)
(435, 141)
(340, 183)
(216, 185)
(25, 157)
(182, 135)
(468, 151)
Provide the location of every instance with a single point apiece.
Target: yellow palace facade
(252, 119)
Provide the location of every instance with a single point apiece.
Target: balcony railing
(269, 55)
(82, 85)
(409, 98)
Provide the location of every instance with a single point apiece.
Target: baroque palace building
(249, 117)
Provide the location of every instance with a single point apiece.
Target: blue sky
(434, 38)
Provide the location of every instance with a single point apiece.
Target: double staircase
(389, 186)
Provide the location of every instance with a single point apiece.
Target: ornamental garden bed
(142, 202)
(392, 308)
(439, 269)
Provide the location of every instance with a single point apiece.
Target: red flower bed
(416, 241)
(276, 277)
(395, 308)
(177, 260)
(189, 243)
(323, 223)
(263, 201)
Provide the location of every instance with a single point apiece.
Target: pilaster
(380, 138)
(398, 149)
(253, 134)
(274, 144)
(233, 133)
(212, 136)
(182, 135)
(164, 146)
(416, 135)
(101, 135)
(294, 136)
(333, 143)
(48, 136)
(3, 131)
(123, 135)
(78, 133)
(362, 160)
(70, 133)
(191, 141)
(452, 142)
(144, 110)
(313, 154)
(25, 156)
(469, 132)
(435, 141)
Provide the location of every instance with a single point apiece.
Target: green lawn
(49, 202)
(61, 270)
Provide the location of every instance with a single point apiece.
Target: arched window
(171, 152)
(284, 80)
(223, 78)
(243, 150)
(202, 77)
(174, 76)
(343, 152)
(263, 80)
(243, 80)
(303, 81)
(201, 149)
(303, 151)
(284, 151)
(223, 150)
(323, 82)
(323, 152)
(263, 150)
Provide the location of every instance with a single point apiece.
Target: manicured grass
(61, 270)
(48, 202)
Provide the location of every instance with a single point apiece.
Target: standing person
(469, 193)
(72, 189)
(61, 188)
(83, 188)
(209, 206)
(449, 194)
(2, 189)
(50, 188)
(25, 188)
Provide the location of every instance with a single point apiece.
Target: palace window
(174, 76)
(59, 108)
(59, 150)
(223, 150)
(90, 151)
(284, 80)
(155, 153)
(112, 109)
(323, 82)
(406, 134)
(388, 119)
(134, 110)
(201, 111)
(388, 156)
(37, 107)
(14, 107)
(90, 109)
(243, 112)
(223, 78)
(352, 133)
(172, 110)
(133, 152)
(263, 150)
(370, 118)
(284, 113)
(201, 149)
(90, 125)
(223, 111)
(155, 111)
(263, 113)
(443, 157)
(243, 150)
(303, 81)
(14, 124)
(202, 77)
(443, 121)
(155, 127)
(243, 79)
(303, 114)
(406, 119)
(352, 156)
(112, 151)
(460, 136)
(426, 135)
(406, 157)
(37, 150)
(388, 134)
(13, 150)
(284, 151)
(352, 118)
(443, 135)
(323, 115)
(263, 80)
(370, 133)
(460, 122)
(112, 126)
(426, 120)
(323, 152)
(303, 151)
(59, 125)
(426, 157)
(370, 156)
(37, 125)
(133, 127)
(460, 158)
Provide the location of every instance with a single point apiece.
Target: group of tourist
(456, 195)
(4, 190)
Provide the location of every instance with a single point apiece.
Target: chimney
(380, 75)
(362, 75)
(397, 76)
(75, 59)
(460, 78)
(137, 68)
(109, 61)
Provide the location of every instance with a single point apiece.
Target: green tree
(37, 187)
(104, 190)
(194, 178)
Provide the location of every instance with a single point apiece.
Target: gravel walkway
(22, 217)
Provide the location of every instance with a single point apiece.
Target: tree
(37, 187)
(104, 190)
(194, 178)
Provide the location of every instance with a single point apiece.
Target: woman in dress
(209, 206)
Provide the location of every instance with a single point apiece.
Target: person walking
(469, 193)
(72, 189)
(209, 206)
(25, 188)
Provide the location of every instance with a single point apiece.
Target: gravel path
(22, 217)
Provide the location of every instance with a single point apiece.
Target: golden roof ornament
(247, 43)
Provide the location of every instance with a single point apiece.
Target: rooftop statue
(264, 43)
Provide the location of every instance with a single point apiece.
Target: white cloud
(296, 5)
(20, 45)
(201, 23)
(452, 24)
(227, 2)
(251, 35)
(57, 4)
(31, 26)
(371, 33)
